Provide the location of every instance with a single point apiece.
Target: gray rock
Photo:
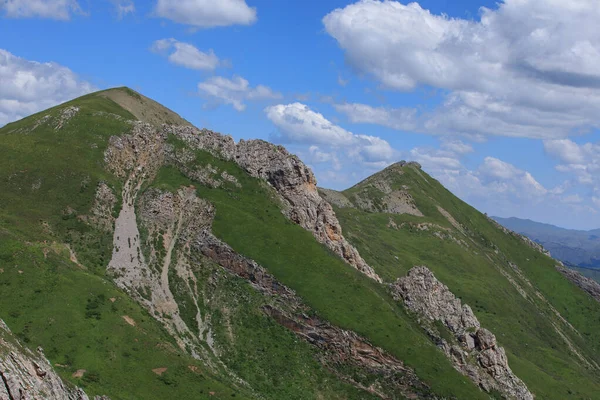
(432, 301)
(289, 176)
(27, 375)
(297, 186)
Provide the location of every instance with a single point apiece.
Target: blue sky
(499, 101)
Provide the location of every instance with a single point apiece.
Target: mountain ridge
(235, 269)
(579, 248)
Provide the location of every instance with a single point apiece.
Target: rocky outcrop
(25, 374)
(586, 284)
(297, 186)
(222, 146)
(473, 350)
(65, 115)
(338, 347)
(101, 213)
(138, 154)
(293, 181)
(335, 198)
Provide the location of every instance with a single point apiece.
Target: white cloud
(399, 118)
(457, 147)
(235, 91)
(298, 124)
(432, 159)
(124, 7)
(53, 9)
(581, 161)
(525, 69)
(570, 152)
(507, 177)
(207, 13)
(186, 55)
(27, 87)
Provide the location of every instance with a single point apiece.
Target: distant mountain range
(574, 247)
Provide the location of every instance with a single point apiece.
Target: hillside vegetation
(226, 290)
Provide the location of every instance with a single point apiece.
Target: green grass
(536, 353)
(250, 220)
(49, 301)
(272, 359)
(48, 176)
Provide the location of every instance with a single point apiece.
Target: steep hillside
(548, 328)
(162, 261)
(574, 247)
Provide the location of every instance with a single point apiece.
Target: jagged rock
(289, 176)
(335, 198)
(297, 185)
(424, 294)
(586, 284)
(142, 149)
(222, 146)
(485, 339)
(432, 301)
(27, 375)
(101, 213)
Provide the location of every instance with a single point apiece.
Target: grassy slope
(55, 304)
(250, 220)
(50, 302)
(536, 353)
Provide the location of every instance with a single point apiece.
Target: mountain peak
(143, 108)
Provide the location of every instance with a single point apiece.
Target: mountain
(149, 259)
(574, 247)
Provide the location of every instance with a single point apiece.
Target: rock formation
(292, 180)
(297, 185)
(338, 347)
(27, 375)
(473, 350)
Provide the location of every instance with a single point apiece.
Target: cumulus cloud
(581, 161)
(27, 87)
(506, 177)
(186, 55)
(525, 69)
(207, 13)
(53, 9)
(298, 124)
(235, 91)
(399, 118)
(457, 146)
(124, 7)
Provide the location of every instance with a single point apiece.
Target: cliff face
(290, 177)
(28, 375)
